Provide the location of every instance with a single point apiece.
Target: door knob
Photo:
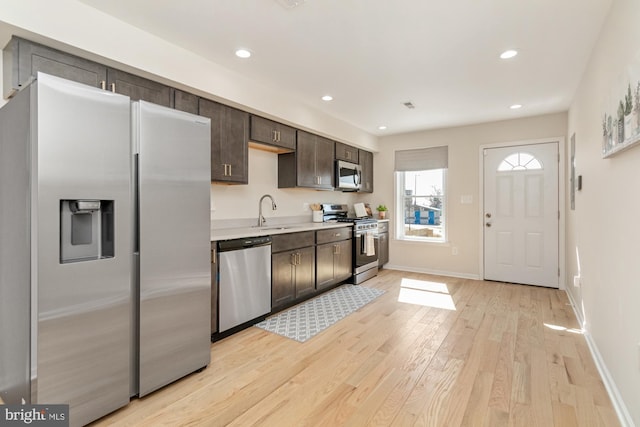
(488, 224)
(488, 215)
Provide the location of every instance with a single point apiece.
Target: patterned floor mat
(309, 318)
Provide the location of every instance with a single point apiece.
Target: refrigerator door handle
(136, 204)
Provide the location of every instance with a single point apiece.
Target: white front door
(521, 216)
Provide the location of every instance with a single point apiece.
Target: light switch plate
(466, 199)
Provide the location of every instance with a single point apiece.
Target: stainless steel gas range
(365, 240)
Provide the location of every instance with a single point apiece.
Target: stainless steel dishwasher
(245, 280)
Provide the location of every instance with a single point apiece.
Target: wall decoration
(621, 118)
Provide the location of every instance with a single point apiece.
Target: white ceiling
(374, 55)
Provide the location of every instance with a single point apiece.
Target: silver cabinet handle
(112, 86)
(103, 85)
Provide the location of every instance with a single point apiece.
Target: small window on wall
(421, 194)
(519, 162)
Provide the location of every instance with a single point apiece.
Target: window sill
(423, 242)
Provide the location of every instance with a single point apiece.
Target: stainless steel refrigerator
(76, 324)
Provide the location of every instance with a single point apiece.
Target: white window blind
(421, 159)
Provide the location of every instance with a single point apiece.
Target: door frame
(562, 185)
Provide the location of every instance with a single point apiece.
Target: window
(519, 162)
(420, 200)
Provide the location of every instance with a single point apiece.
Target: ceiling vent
(290, 4)
(409, 105)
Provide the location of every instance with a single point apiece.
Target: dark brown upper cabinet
(366, 164)
(229, 142)
(346, 152)
(310, 166)
(138, 88)
(281, 137)
(23, 59)
(185, 101)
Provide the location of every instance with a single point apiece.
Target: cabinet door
(383, 249)
(185, 101)
(366, 163)
(138, 88)
(343, 268)
(305, 272)
(325, 162)
(306, 160)
(346, 152)
(23, 59)
(229, 142)
(325, 265)
(283, 273)
(214, 287)
(272, 133)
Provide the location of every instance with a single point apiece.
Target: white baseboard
(428, 271)
(616, 399)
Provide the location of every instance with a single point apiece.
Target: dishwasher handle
(238, 244)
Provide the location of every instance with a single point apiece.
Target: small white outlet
(454, 250)
(466, 199)
(576, 281)
(305, 206)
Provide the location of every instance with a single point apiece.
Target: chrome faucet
(261, 219)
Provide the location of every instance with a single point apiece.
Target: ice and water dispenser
(86, 230)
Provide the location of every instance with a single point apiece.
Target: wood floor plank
(501, 355)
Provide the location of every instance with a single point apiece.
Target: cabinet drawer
(383, 227)
(288, 241)
(333, 235)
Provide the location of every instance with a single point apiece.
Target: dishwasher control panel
(249, 242)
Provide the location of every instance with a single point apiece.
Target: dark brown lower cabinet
(383, 243)
(292, 276)
(333, 261)
(333, 256)
(293, 268)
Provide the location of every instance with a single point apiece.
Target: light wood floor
(507, 355)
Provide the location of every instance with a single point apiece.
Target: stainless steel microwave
(348, 176)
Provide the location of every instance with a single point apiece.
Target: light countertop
(271, 229)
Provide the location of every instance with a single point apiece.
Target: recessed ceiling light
(515, 106)
(382, 127)
(508, 54)
(327, 98)
(243, 53)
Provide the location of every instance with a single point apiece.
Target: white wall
(603, 232)
(462, 179)
(241, 201)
